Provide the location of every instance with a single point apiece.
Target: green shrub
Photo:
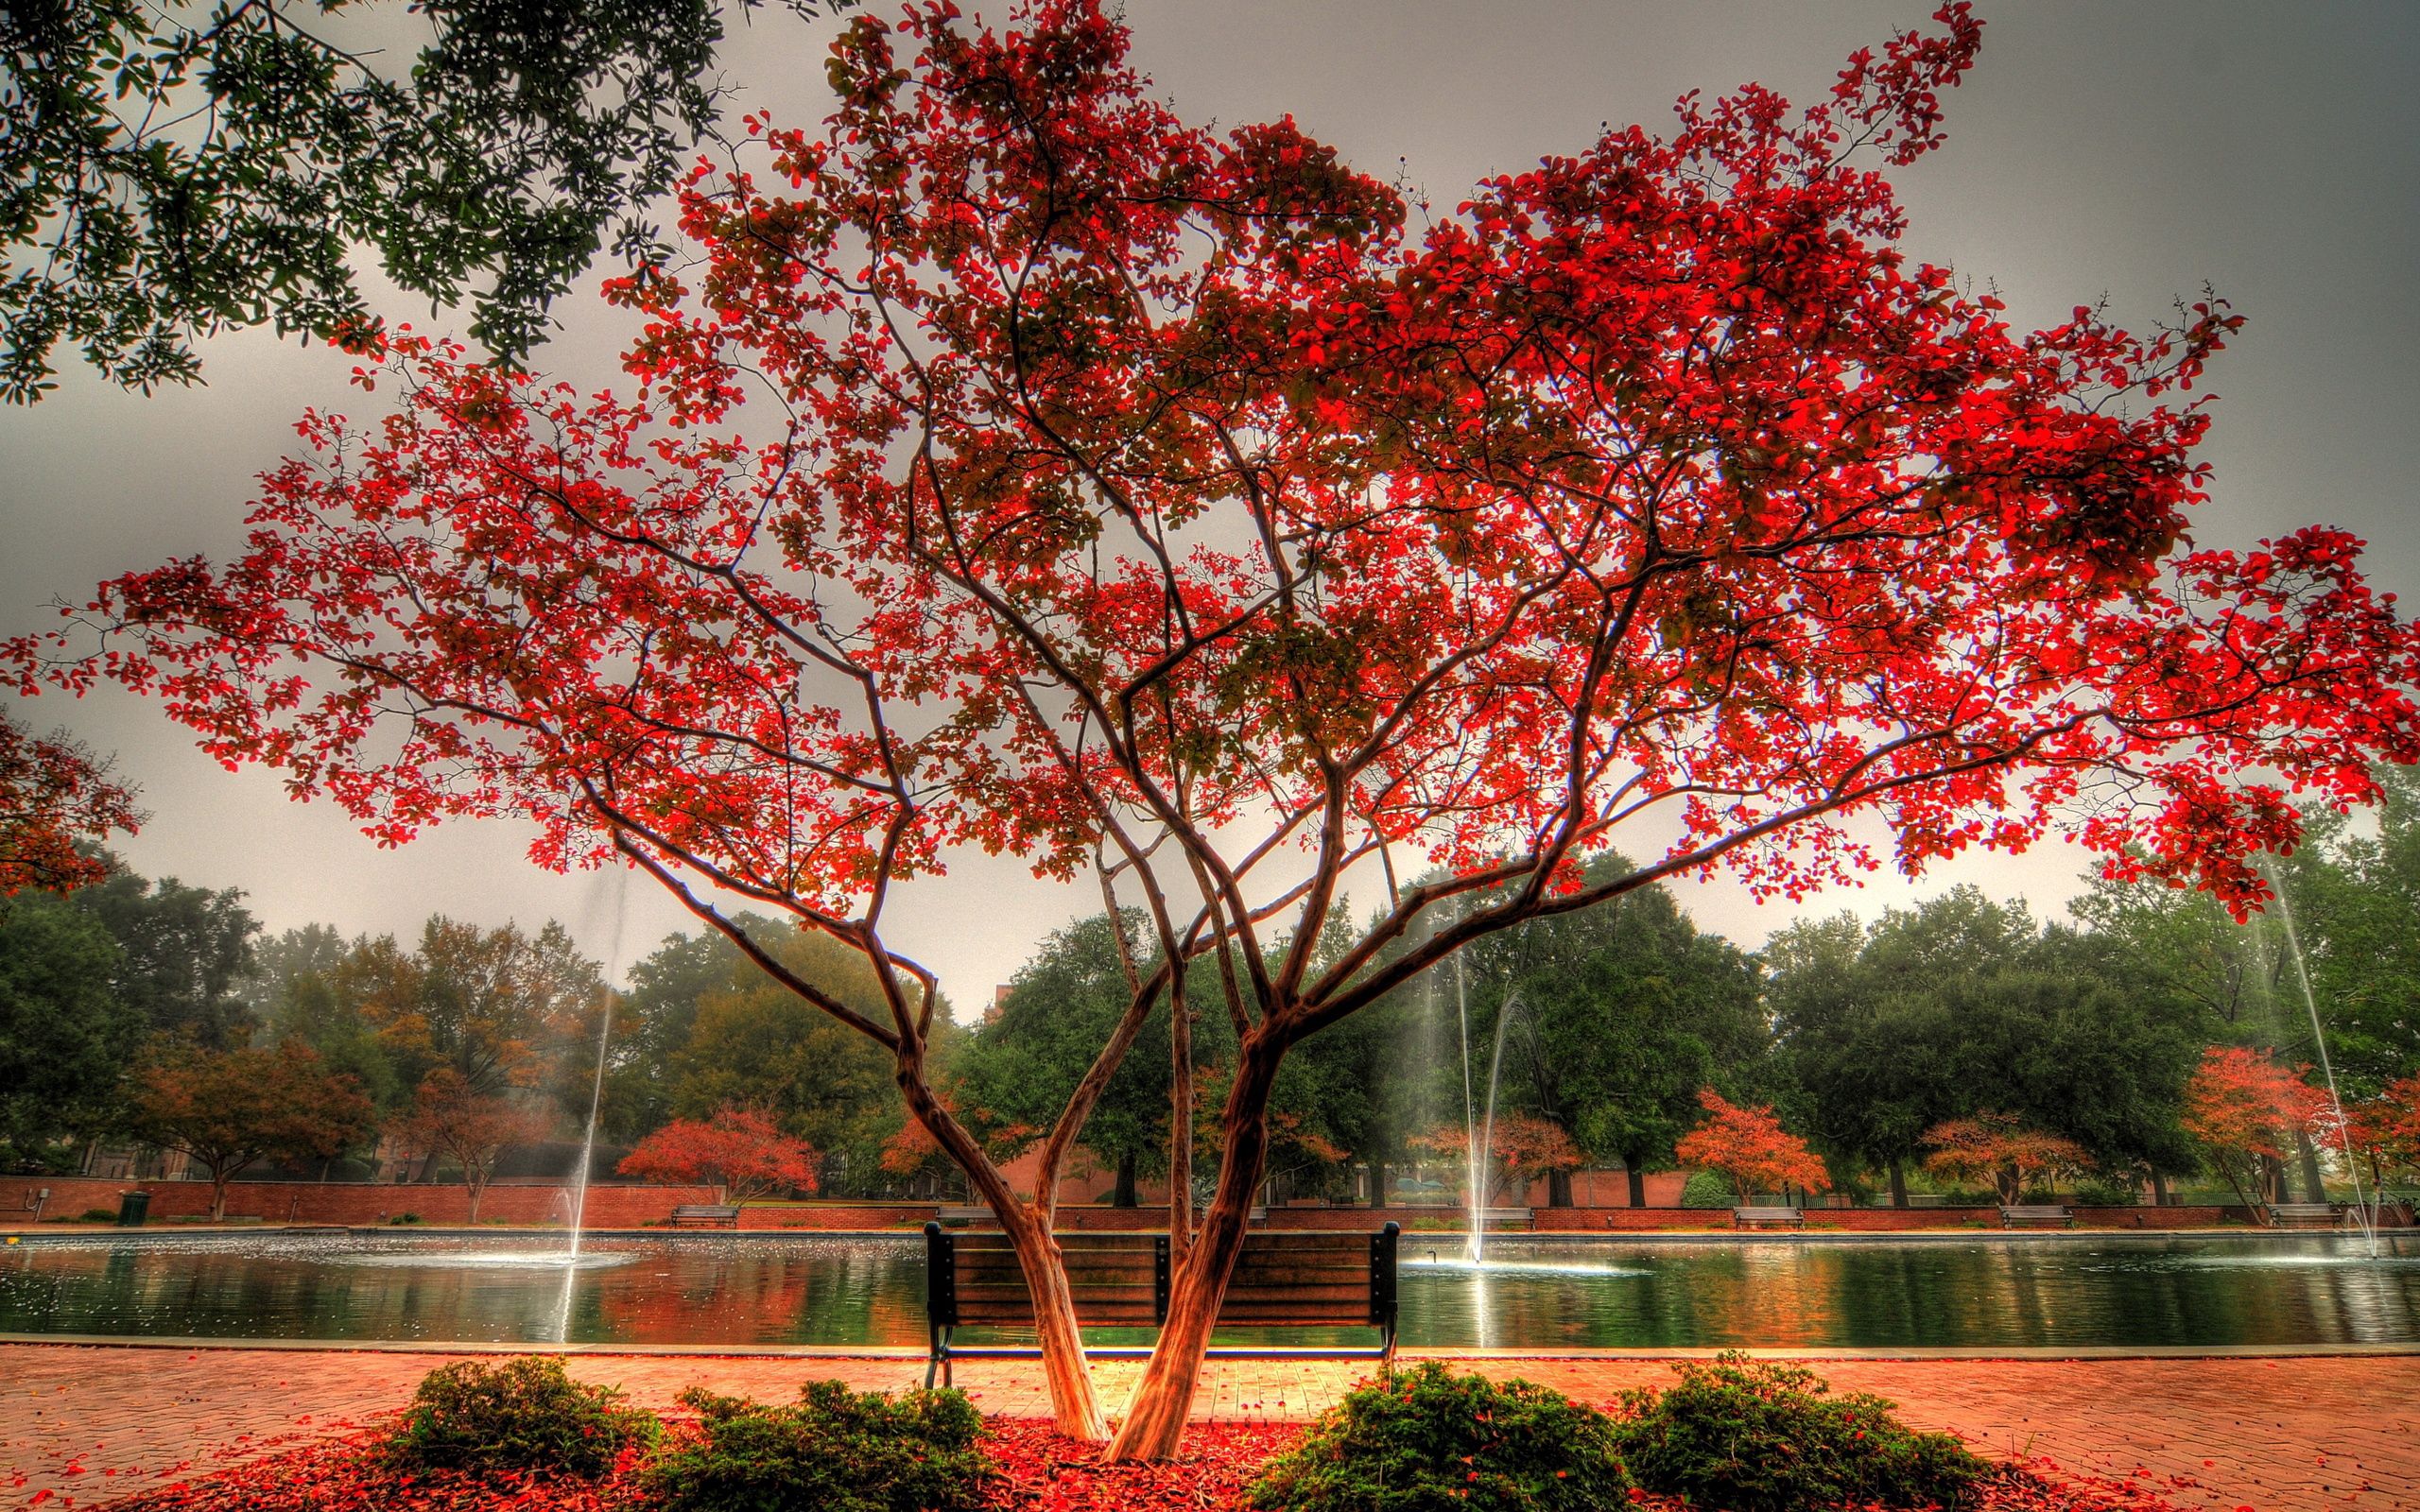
(1706, 1190)
(835, 1452)
(1754, 1437)
(403, 1218)
(523, 1415)
(1414, 1440)
(96, 1215)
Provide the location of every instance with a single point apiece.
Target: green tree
(1018, 1068)
(66, 1036)
(183, 953)
(754, 1044)
(298, 989)
(174, 169)
(1618, 1015)
(1964, 1005)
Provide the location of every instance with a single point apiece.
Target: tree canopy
(176, 169)
(1127, 494)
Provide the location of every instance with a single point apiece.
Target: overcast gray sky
(2135, 151)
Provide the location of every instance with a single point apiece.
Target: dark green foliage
(65, 1037)
(835, 1452)
(177, 169)
(1754, 1437)
(1416, 1440)
(1706, 1190)
(523, 1415)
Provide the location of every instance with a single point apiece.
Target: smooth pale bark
(1156, 1415)
(1073, 1407)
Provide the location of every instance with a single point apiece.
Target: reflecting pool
(1546, 1293)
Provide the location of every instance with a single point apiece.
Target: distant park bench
(2304, 1214)
(2052, 1216)
(1767, 1219)
(706, 1215)
(1306, 1280)
(1508, 1217)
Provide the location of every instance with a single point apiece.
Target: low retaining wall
(439, 1204)
(619, 1205)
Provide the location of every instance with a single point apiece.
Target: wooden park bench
(1767, 1219)
(2051, 1216)
(1508, 1217)
(1304, 1280)
(706, 1215)
(2304, 1214)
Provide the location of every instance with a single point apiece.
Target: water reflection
(740, 1289)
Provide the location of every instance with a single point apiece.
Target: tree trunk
(1155, 1417)
(1898, 1183)
(219, 1177)
(478, 1189)
(1074, 1409)
(1378, 1183)
(1122, 1194)
(2314, 1190)
(2159, 1190)
(1637, 1181)
(1558, 1189)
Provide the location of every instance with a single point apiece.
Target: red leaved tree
(739, 1152)
(2000, 1148)
(56, 804)
(451, 1117)
(1749, 1147)
(2246, 1109)
(2383, 1132)
(225, 1109)
(1014, 464)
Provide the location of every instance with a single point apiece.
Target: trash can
(132, 1206)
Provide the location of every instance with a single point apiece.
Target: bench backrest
(2051, 1212)
(1121, 1279)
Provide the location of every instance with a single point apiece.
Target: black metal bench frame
(941, 1310)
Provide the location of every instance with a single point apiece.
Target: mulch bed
(1040, 1472)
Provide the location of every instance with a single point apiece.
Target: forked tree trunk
(1155, 1417)
(478, 1189)
(1074, 1409)
(219, 1177)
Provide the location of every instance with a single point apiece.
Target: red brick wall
(615, 1205)
(620, 1206)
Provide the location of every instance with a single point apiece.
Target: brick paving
(92, 1423)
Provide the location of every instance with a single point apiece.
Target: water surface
(859, 1290)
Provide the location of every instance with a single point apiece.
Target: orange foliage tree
(738, 1151)
(2000, 1148)
(1749, 1146)
(56, 799)
(451, 1117)
(2244, 1108)
(1520, 1149)
(225, 1109)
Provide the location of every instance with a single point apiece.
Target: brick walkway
(93, 1423)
